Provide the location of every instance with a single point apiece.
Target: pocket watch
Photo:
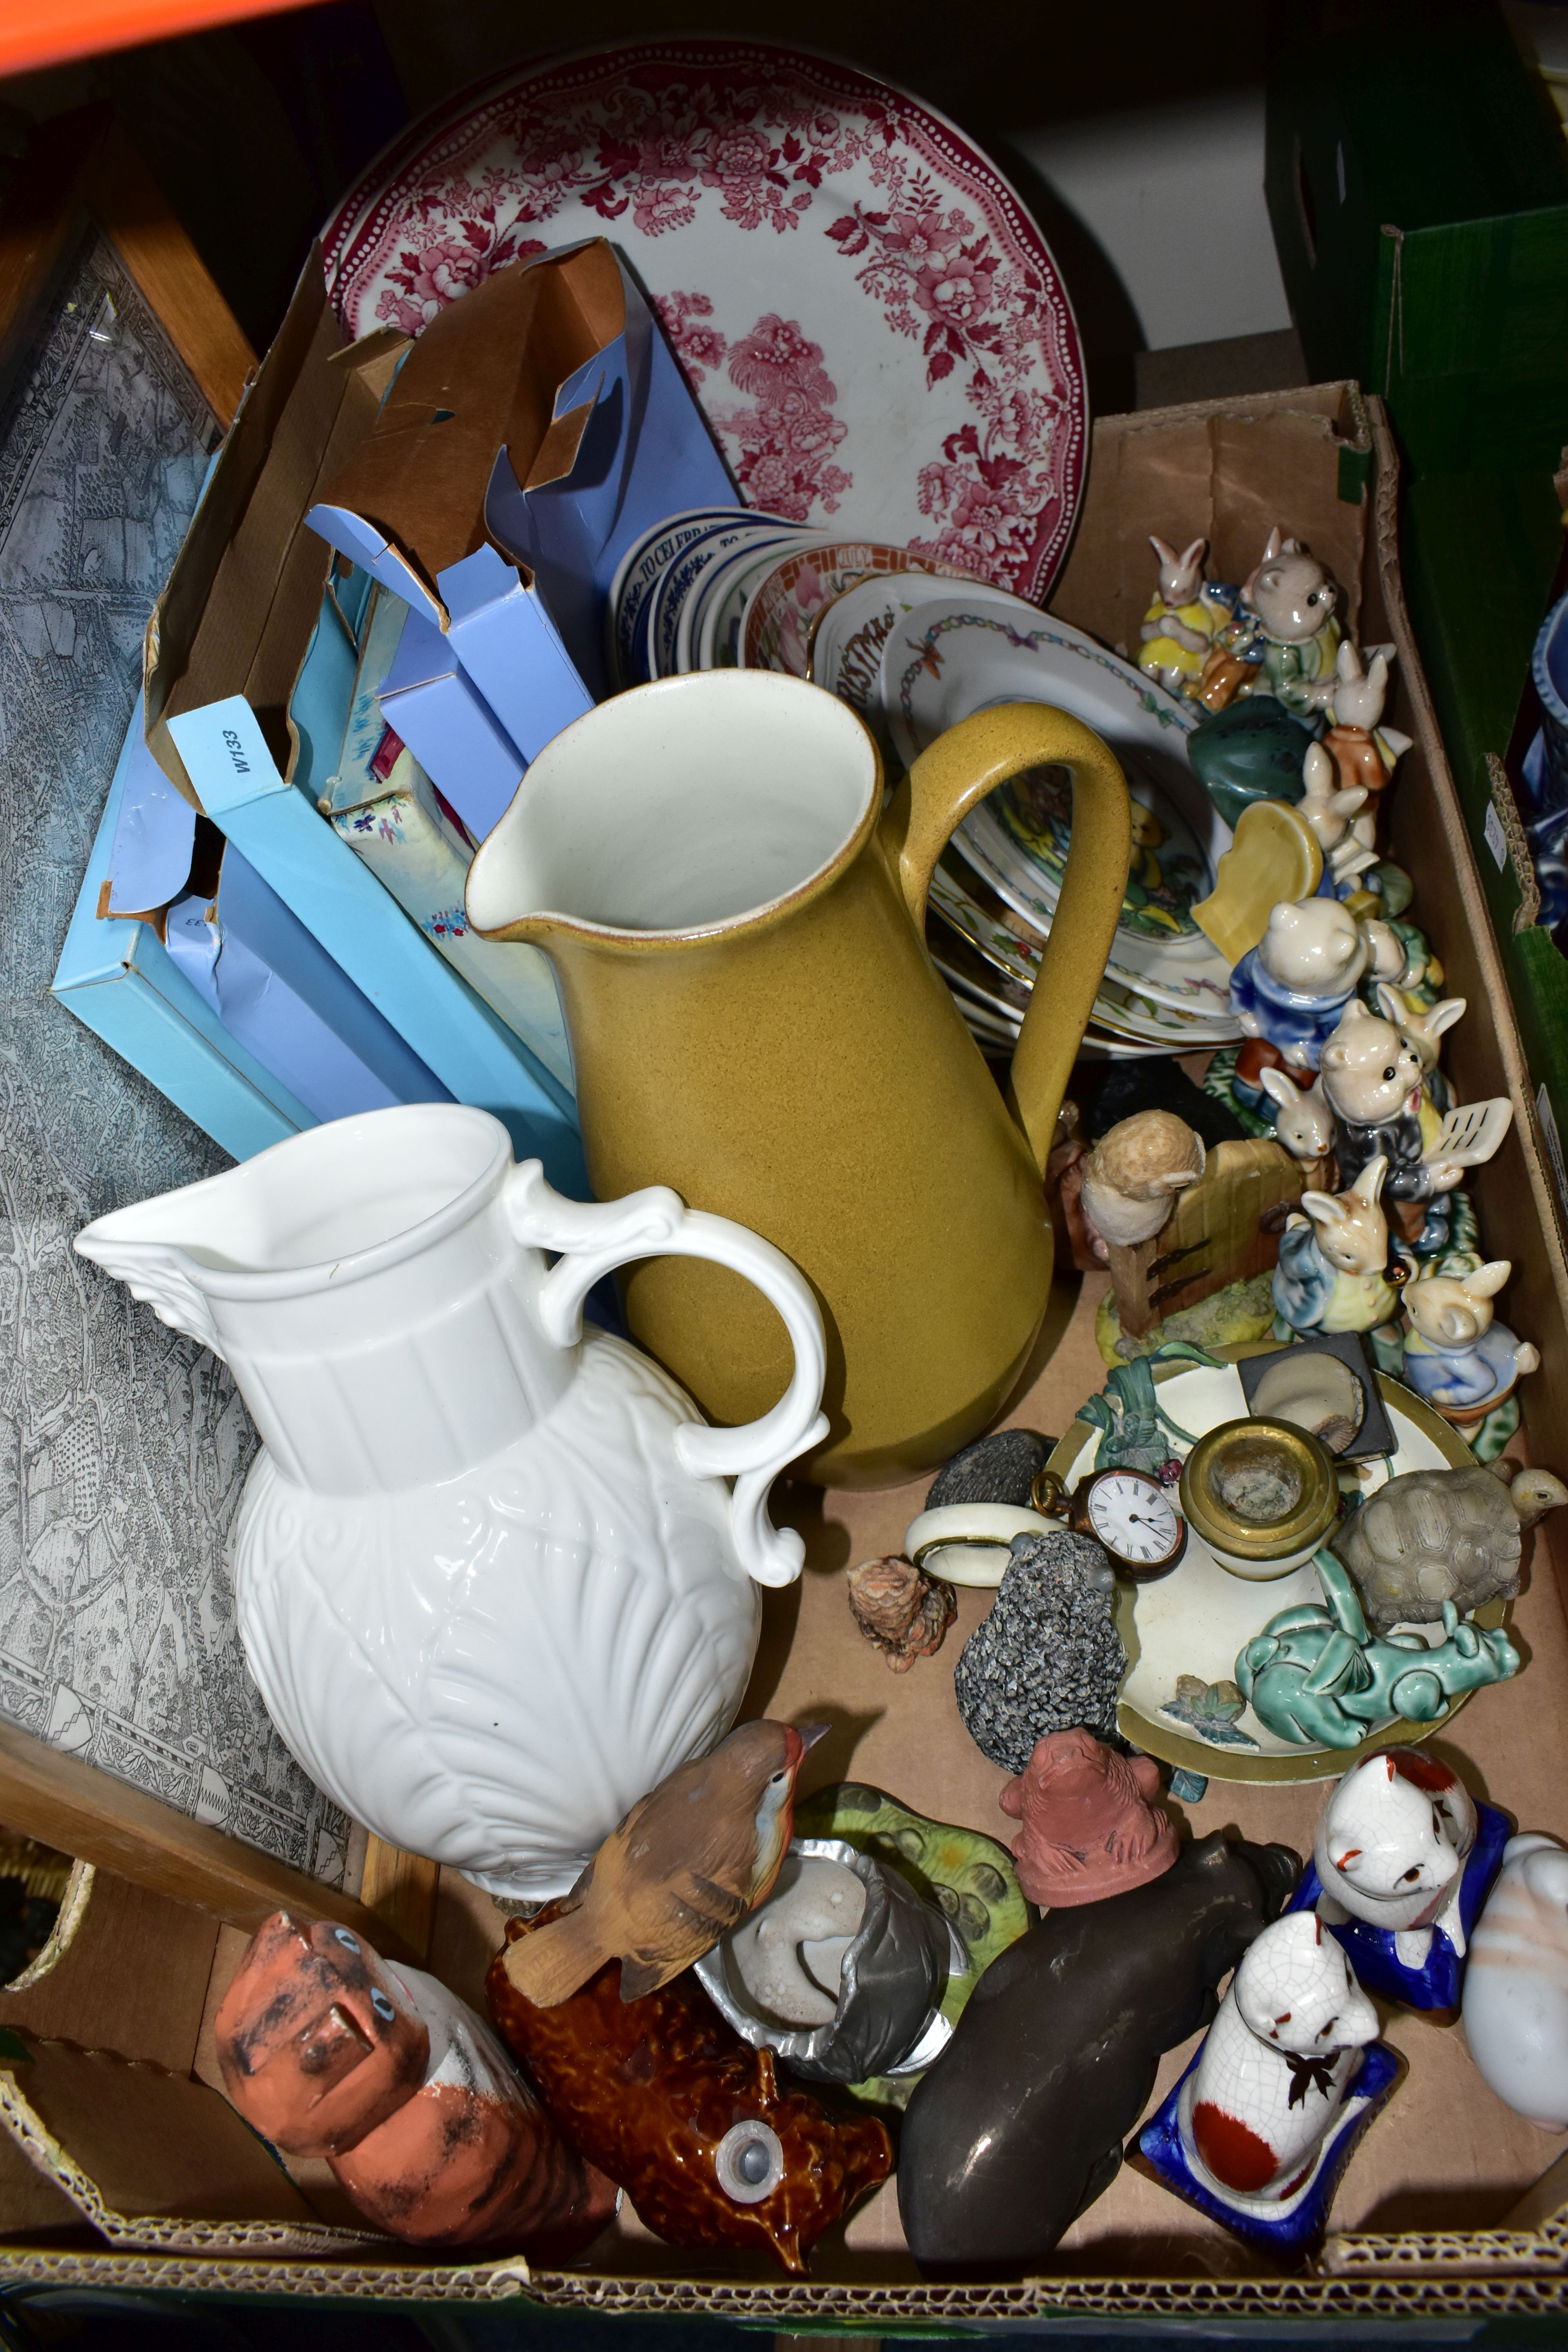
(1130, 1514)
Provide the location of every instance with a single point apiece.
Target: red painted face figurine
(328, 2050)
(1091, 1826)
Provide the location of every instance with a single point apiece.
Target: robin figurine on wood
(685, 1866)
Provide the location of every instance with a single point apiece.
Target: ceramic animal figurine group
(1403, 1860)
(671, 2105)
(899, 1610)
(1261, 2126)
(1456, 1355)
(1431, 1540)
(1048, 1657)
(1182, 622)
(1091, 1826)
(688, 1862)
(1516, 1985)
(329, 2050)
(839, 1970)
(1333, 1270)
(1131, 1178)
(1371, 1085)
(1318, 1677)
(1019, 2125)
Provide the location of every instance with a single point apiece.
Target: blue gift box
(1371, 1950)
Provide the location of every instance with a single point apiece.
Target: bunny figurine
(1261, 2126)
(1342, 826)
(1456, 1356)
(1362, 749)
(1422, 1029)
(1186, 616)
(1333, 1268)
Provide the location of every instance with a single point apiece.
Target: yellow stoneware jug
(737, 925)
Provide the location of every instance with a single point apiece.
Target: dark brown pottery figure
(327, 2050)
(672, 2104)
(1019, 2125)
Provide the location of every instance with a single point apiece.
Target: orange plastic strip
(46, 32)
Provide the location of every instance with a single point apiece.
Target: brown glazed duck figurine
(667, 2099)
(686, 1865)
(327, 2050)
(1090, 1823)
(1019, 2125)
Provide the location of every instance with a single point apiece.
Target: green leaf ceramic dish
(969, 1876)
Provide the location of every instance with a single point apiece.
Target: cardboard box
(1438, 2220)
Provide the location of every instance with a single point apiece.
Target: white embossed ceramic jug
(491, 1578)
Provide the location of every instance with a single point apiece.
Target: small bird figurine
(686, 1865)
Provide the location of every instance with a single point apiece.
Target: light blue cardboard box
(276, 825)
(118, 977)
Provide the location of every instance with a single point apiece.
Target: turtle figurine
(1437, 1536)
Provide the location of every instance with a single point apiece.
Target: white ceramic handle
(592, 1237)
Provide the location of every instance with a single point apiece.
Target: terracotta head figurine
(1091, 1825)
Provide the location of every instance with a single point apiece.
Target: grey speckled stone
(1048, 1657)
(997, 1469)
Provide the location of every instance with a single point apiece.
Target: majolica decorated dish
(1184, 1633)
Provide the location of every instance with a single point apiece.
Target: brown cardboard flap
(1226, 470)
(246, 588)
(483, 375)
(153, 2158)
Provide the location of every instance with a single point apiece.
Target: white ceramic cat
(1276, 2064)
(1516, 1985)
(1391, 1847)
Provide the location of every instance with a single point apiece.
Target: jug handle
(944, 783)
(592, 1237)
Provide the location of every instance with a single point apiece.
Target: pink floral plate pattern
(869, 318)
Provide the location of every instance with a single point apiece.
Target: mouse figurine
(1456, 1355)
(1285, 635)
(1019, 2125)
(1516, 1985)
(1261, 2129)
(1292, 988)
(1186, 616)
(329, 2050)
(1403, 1860)
(669, 2101)
(1091, 1825)
(1334, 1267)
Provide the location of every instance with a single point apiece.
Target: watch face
(1135, 1520)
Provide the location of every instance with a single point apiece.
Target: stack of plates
(914, 658)
(915, 647)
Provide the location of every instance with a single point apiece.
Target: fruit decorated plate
(869, 318)
(1182, 1632)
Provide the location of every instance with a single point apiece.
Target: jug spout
(365, 1285)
